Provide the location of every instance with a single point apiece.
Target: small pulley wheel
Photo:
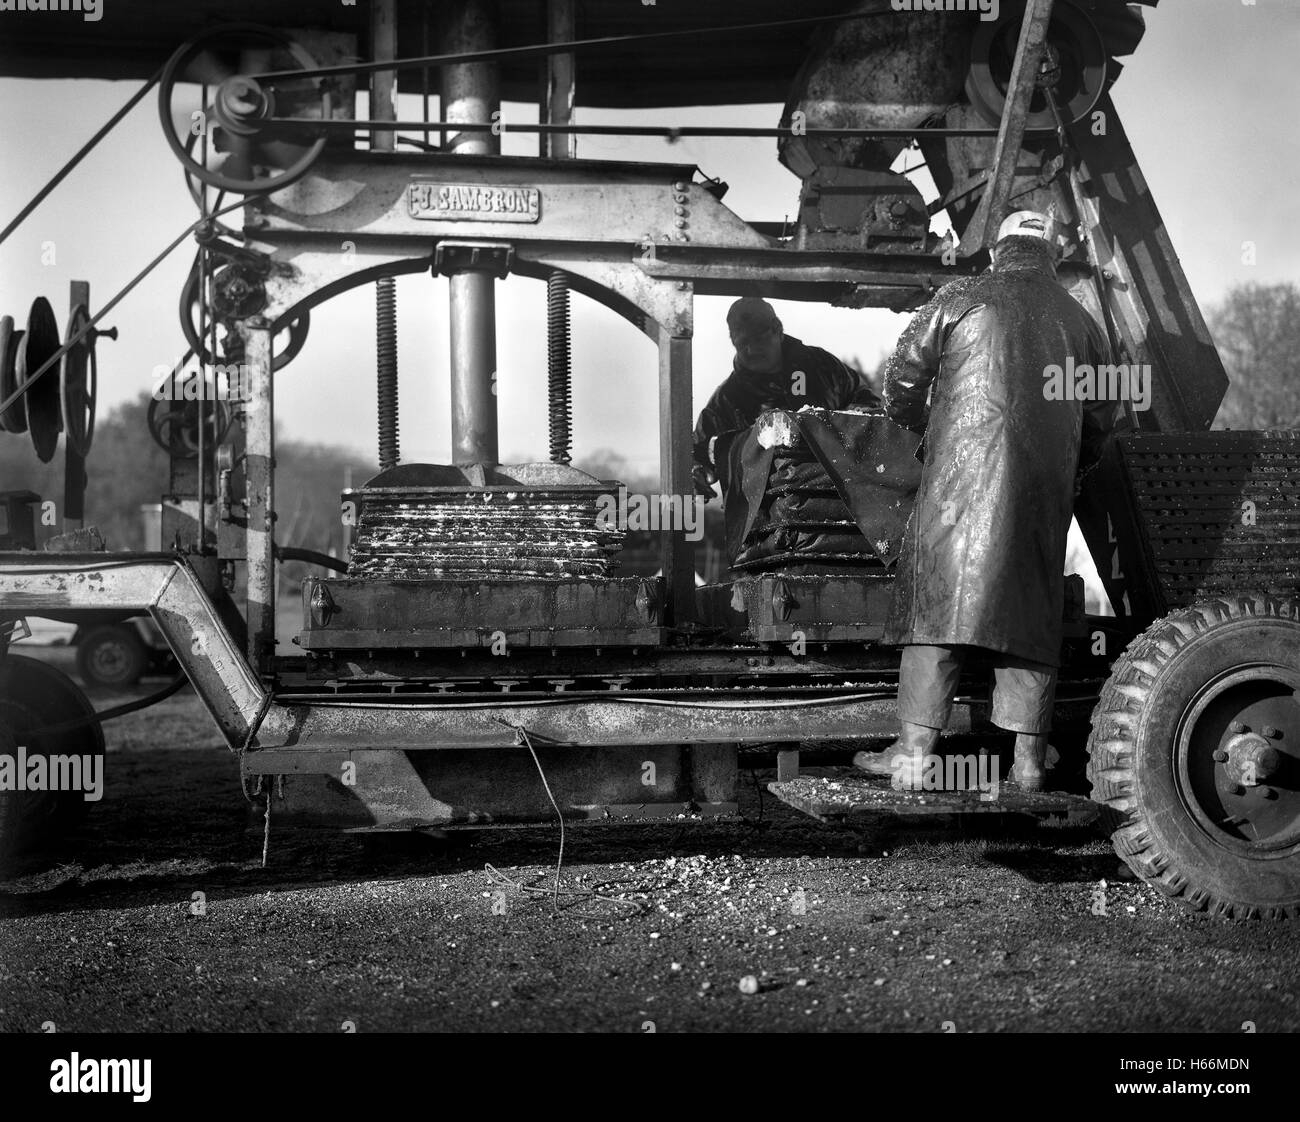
(79, 384)
(44, 413)
(259, 155)
(176, 430)
(291, 338)
(13, 419)
(1076, 65)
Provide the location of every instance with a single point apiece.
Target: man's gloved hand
(704, 477)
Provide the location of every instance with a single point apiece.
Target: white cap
(1028, 224)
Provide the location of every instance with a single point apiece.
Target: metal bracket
(9, 630)
(497, 258)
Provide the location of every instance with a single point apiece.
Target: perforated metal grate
(1221, 511)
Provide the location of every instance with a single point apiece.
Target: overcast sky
(1209, 101)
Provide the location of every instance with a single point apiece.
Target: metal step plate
(853, 798)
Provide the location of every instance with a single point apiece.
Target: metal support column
(383, 83)
(470, 94)
(675, 470)
(74, 464)
(560, 28)
(1015, 115)
(383, 107)
(259, 471)
(560, 81)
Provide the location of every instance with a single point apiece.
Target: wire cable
(522, 737)
(117, 711)
(573, 46)
(82, 153)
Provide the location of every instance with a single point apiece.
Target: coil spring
(558, 382)
(386, 369)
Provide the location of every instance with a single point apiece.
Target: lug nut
(1237, 727)
(1271, 732)
(1268, 792)
(1220, 756)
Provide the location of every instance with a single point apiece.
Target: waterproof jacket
(744, 396)
(984, 553)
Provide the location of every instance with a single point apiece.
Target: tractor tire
(35, 696)
(1195, 756)
(112, 655)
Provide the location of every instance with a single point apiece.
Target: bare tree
(1257, 330)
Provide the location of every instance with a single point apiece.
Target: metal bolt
(1271, 732)
(679, 210)
(680, 185)
(1268, 792)
(681, 223)
(1236, 789)
(1237, 727)
(1220, 756)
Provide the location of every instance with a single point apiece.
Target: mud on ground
(657, 929)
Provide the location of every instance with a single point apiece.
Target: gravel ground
(658, 928)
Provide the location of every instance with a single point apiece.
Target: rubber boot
(904, 760)
(1029, 769)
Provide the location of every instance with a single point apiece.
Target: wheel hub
(242, 104)
(1248, 759)
(1240, 760)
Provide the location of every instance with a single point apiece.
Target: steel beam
(611, 224)
(383, 83)
(678, 552)
(170, 591)
(470, 94)
(560, 81)
(74, 464)
(1015, 116)
(472, 327)
(292, 731)
(259, 475)
(1155, 312)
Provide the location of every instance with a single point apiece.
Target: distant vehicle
(115, 654)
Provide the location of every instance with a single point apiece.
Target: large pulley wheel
(254, 155)
(59, 769)
(13, 419)
(40, 343)
(228, 283)
(1077, 59)
(1195, 756)
(79, 384)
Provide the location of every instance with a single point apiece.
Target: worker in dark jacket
(983, 557)
(772, 370)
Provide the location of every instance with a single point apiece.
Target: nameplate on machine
(474, 202)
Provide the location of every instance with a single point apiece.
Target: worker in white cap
(983, 560)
